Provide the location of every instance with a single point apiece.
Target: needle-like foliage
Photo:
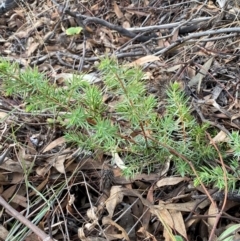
(129, 125)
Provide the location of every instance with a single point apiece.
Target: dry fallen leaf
(59, 141)
(16, 178)
(14, 166)
(197, 79)
(116, 196)
(20, 200)
(118, 161)
(179, 224)
(184, 207)
(42, 171)
(212, 211)
(168, 181)
(166, 235)
(31, 49)
(144, 60)
(90, 226)
(146, 210)
(59, 163)
(91, 213)
(9, 192)
(117, 10)
(220, 137)
(165, 218)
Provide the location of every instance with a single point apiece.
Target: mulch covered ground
(193, 42)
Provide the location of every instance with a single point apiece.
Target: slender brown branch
(225, 190)
(43, 236)
(84, 21)
(197, 35)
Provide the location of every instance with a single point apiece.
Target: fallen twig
(84, 21)
(43, 236)
(180, 41)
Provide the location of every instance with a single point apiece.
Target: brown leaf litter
(193, 42)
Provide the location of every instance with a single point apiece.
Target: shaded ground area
(71, 194)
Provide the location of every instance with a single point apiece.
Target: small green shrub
(130, 127)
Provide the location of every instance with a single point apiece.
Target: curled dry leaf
(135, 193)
(59, 163)
(197, 79)
(120, 234)
(118, 161)
(71, 199)
(82, 237)
(91, 213)
(42, 171)
(116, 196)
(55, 161)
(236, 116)
(165, 167)
(91, 226)
(144, 234)
(81, 234)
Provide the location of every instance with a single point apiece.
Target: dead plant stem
(225, 189)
